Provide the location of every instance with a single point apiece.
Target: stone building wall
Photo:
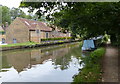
(17, 30)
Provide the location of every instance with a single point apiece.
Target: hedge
(50, 39)
(2, 32)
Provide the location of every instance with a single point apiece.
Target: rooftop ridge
(29, 19)
(32, 26)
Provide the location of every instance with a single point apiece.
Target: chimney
(6, 24)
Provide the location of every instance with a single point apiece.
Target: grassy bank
(26, 44)
(20, 44)
(34, 43)
(91, 71)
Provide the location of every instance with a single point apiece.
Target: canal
(59, 63)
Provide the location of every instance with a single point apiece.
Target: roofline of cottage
(32, 20)
(51, 26)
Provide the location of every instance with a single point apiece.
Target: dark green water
(48, 64)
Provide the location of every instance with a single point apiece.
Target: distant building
(23, 30)
(2, 35)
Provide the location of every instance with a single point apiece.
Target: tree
(16, 12)
(29, 16)
(86, 19)
(6, 15)
(0, 15)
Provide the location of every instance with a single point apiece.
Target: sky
(13, 3)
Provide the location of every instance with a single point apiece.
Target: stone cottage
(23, 30)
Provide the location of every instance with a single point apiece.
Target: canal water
(47, 64)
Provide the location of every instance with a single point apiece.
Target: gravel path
(110, 65)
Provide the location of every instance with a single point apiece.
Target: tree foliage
(86, 19)
(16, 12)
(6, 15)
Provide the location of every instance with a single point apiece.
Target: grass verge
(20, 44)
(91, 71)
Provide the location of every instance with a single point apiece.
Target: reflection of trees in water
(76, 52)
(63, 62)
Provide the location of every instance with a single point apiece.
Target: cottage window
(14, 40)
(37, 31)
(3, 40)
(46, 34)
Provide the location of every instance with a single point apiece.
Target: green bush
(91, 71)
(97, 54)
(105, 38)
(80, 44)
(50, 39)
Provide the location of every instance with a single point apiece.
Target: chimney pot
(6, 24)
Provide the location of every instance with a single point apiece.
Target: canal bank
(36, 45)
(91, 71)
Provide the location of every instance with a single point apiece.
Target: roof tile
(31, 24)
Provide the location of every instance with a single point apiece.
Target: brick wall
(17, 30)
(36, 37)
(56, 34)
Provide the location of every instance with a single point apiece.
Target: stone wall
(36, 37)
(17, 30)
(56, 34)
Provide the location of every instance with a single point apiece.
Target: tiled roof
(31, 24)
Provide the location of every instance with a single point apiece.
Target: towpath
(111, 65)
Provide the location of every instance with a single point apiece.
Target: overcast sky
(12, 3)
(16, 4)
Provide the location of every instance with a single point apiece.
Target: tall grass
(91, 71)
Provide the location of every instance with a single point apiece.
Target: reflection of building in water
(25, 59)
(37, 57)
(5, 63)
(19, 60)
(60, 52)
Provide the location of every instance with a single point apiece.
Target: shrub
(50, 39)
(81, 43)
(91, 71)
(96, 55)
(2, 32)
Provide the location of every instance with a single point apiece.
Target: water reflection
(51, 64)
